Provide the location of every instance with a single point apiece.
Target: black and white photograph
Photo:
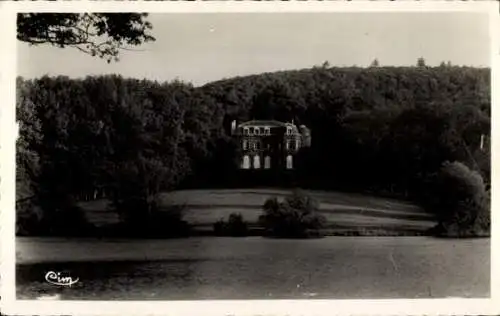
(239, 155)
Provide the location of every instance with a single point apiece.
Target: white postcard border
(10, 306)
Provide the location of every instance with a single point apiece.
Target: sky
(204, 47)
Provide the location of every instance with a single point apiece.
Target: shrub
(149, 219)
(166, 222)
(66, 220)
(70, 221)
(461, 202)
(28, 218)
(235, 226)
(295, 217)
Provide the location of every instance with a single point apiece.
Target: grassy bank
(346, 214)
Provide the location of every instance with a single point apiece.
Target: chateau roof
(264, 123)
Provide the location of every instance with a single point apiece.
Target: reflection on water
(257, 268)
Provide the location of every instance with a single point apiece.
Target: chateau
(269, 144)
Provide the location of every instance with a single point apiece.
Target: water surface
(256, 268)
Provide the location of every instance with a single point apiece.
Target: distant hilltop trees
(375, 63)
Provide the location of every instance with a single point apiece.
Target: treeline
(375, 127)
(107, 136)
(379, 129)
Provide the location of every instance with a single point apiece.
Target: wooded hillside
(382, 129)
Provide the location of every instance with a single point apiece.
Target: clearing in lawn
(346, 213)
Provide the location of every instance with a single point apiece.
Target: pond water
(255, 268)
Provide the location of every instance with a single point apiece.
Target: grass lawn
(346, 213)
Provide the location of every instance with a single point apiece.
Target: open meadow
(345, 212)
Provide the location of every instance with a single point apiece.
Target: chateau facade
(269, 144)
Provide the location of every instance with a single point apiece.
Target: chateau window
(289, 162)
(267, 131)
(255, 145)
(288, 130)
(257, 131)
(256, 162)
(297, 144)
(246, 162)
(267, 162)
(245, 144)
(287, 145)
(245, 131)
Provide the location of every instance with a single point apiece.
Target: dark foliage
(235, 226)
(105, 134)
(63, 221)
(97, 34)
(296, 217)
(150, 221)
(384, 130)
(360, 119)
(28, 218)
(460, 199)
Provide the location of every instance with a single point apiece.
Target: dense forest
(384, 130)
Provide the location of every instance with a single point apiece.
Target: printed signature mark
(57, 279)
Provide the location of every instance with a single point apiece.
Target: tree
(421, 62)
(149, 158)
(461, 202)
(296, 217)
(277, 101)
(383, 130)
(445, 64)
(27, 158)
(97, 34)
(374, 63)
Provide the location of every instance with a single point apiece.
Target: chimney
(306, 135)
